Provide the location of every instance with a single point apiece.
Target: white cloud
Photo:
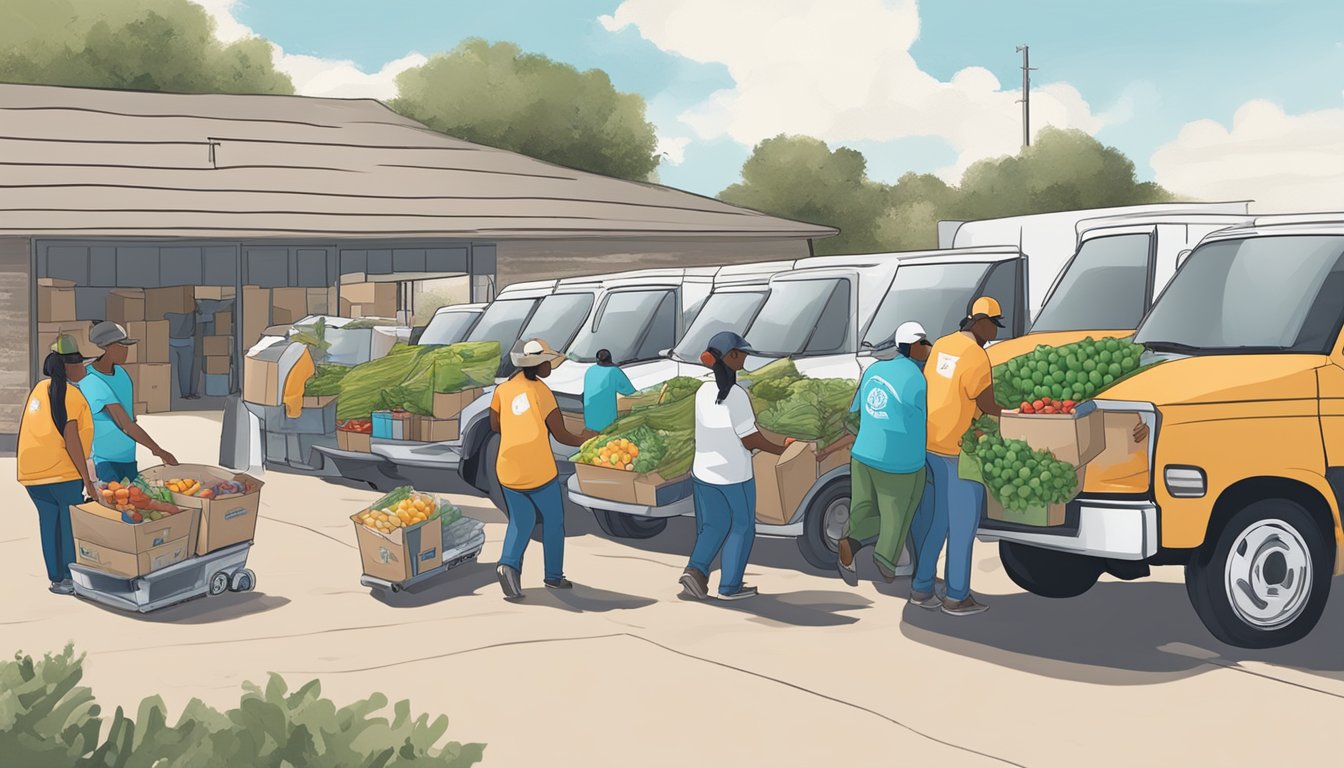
(673, 148)
(841, 72)
(1284, 162)
(313, 75)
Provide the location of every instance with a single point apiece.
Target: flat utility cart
(463, 540)
(224, 570)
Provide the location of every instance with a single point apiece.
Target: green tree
(800, 178)
(501, 97)
(144, 45)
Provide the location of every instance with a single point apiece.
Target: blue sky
(1144, 68)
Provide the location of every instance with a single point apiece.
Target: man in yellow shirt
(55, 435)
(960, 386)
(524, 413)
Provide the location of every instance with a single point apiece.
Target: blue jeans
(115, 471)
(53, 513)
(524, 507)
(725, 520)
(950, 512)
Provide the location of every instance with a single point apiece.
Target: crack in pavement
(683, 654)
(641, 559)
(310, 530)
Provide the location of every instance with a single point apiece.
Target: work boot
(967, 607)
(509, 582)
(694, 584)
(848, 570)
(742, 593)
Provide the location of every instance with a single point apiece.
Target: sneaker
(848, 571)
(925, 600)
(741, 594)
(508, 581)
(694, 584)
(63, 587)
(967, 607)
(560, 583)
(888, 575)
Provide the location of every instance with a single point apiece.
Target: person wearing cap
(887, 461)
(524, 413)
(723, 484)
(960, 386)
(602, 383)
(111, 396)
(55, 433)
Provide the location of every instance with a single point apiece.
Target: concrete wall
(522, 260)
(15, 284)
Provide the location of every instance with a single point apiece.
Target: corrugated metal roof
(82, 162)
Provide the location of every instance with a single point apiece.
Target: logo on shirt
(877, 400)
(35, 405)
(947, 364)
(520, 405)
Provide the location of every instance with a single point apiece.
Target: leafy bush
(48, 721)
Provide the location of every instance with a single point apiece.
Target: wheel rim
(1268, 574)
(219, 584)
(834, 521)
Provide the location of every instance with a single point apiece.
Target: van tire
(1271, 539)
(622, 526)
(818, 548)
(1048, 573)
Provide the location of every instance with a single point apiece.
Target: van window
(832, 329)
(502, 322)
(448, 328)
(1283, 293)
(722, 312)
(793, 315)
(558, 317)
(662, 332)
(1104, 287)
(1002, 285)
(936, 296)
(625, 324)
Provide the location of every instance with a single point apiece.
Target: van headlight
(1185, 482)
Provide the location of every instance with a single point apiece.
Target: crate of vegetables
(400, 536)
(1023, 485)
(132, 529)
(229, 502)
(355, 435)
(633, 467)
(1071, 432)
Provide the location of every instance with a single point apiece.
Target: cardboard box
(153, 338)
(215, 365)
(392, 425)
(448, 405)
(224, 520)
(224, 323)
(573, 422)
(153, 384)
(217, 385)
(355, 442)
(840, 457)
(425, 429)
(256, 313)
(318, 402)
(401, 554)
(1074, 438)
(162, 301)
(126, 306)
(132, 549)
(217, 346)
(55, 302)
(1122, 465)
(142, 407)
(649, 490)
(1039, 516)
(215, 292)
(262, 370)
(782, 482)
(387, 310)
(288, 305)
(370, 293)
(320, 300)
(47, 333)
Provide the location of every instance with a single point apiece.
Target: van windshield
(448, 328)
(558, 318)
(934, 295)
(722, 312)
(502, 321)
(632, 325)
(1282, 293)
(1105, 287)
(802, 317)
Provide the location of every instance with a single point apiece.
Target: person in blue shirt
(111, 396)
(601, 384)
(887, 460)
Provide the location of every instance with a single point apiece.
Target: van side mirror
(1182, 256)
(664, 352)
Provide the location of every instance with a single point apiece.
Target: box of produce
(449, 405)
(321, 390)
(229, 502)
(1023, 485)
(789, 404)
(782, 482)
(355, 435)
(632, 467)
(1072, 433)
(401, 535)
(1077, 372)
(131, 530)
(410, 377)
(427, 429)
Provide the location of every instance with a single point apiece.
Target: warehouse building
(200, 220)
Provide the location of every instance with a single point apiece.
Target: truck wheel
(1265, 580)
(1048, 573)
(823, 525)
(623, 526)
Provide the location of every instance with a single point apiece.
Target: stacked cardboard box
(55, 300)
(218, 354)
(152, 336)
(160, 302)
(256, 311)
(105, 543)
(288, 305)
(368, 300)
(126, 306)
(214, 292)
(153, 386)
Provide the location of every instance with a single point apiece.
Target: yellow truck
(1241, 476)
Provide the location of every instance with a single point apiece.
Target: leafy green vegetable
(327, 380)
(1018, 476)
(315, 337)
(810, 409)
(1078, 371)
(408, 377)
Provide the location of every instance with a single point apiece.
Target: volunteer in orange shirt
(960, 386)
(55, 435)
(524, 413)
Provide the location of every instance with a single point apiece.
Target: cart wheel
(395, 588)
(219, 583)
(243, 581)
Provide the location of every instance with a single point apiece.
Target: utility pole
(1025, 101)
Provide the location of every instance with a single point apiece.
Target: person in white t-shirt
(725, 490)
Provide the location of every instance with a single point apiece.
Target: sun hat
(534, 352)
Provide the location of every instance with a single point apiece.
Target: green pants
(882, 504)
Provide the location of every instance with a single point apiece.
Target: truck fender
(1316, 493)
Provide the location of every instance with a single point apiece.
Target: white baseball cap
(910, 333)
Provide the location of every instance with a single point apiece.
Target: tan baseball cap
(534, 352)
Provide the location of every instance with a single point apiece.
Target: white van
(820, 315)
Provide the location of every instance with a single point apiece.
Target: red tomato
(1038, 405)
(1050, 409)
(1070, 404)
(1025, 407)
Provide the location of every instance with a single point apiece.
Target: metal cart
(463, 540)
(214, 574)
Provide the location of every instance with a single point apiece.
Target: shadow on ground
(206, 610)
(809, 608)
(466, 579)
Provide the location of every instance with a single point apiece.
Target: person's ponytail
(724, 377)
(54, 368)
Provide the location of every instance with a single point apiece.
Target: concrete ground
(621, 672)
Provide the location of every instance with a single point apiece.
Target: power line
(1025, 101)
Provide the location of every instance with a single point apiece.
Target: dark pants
(53, 513)
(524, 508)
(183, 355)
(115, 471)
